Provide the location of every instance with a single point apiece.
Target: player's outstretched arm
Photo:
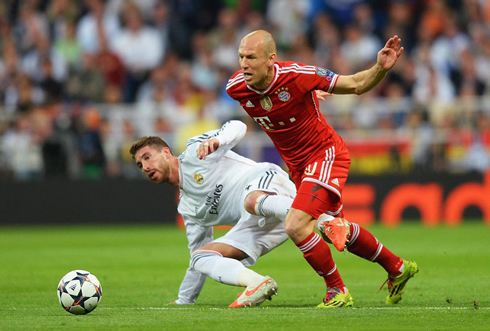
(190, 288)
(193, 281)
(364, 81)
(225, 139)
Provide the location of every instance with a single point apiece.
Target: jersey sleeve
(190, 287)
(193, 281)
(232, 84)
(228, 136)
(323, 79)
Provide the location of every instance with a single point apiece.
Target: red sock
(318, 255)
(362, 243)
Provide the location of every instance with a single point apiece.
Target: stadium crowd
(81, 80)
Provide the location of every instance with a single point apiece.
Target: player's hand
(388, 56)
(172, 303)
(207, 147)
(320, 94)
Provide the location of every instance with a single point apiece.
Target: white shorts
(257, 235)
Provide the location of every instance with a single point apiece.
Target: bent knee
(292, 229)
(250, 201)
(299, 225)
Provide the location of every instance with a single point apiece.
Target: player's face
(255, 63)
(153, 163)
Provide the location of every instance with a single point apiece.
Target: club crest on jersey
(283, 94)
(199, 178)
(266, 103)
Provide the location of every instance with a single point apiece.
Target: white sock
(249, 277)
(273, 205)
(224, 270)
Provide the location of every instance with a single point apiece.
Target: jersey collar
(276, 67)
(181, 177)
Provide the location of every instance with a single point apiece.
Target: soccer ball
(79, 292)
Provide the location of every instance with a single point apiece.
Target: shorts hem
(328, 187)
(248, 261)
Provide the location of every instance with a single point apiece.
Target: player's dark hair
(156, 143)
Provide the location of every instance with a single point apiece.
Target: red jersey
(288, 110)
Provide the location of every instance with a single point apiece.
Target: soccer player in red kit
(280, 97)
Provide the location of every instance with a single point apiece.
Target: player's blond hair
(154, 142)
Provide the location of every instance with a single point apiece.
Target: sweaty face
(153, 163)
(255, 63)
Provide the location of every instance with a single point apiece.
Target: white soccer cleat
(254, 295)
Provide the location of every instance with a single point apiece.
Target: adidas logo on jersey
(249, 104)
(335, 181)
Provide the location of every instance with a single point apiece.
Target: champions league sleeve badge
(322, 72)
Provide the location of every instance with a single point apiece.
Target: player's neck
(174, 177)
(268, 79)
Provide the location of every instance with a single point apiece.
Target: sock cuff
(309, 242)
(201, 253)
(259, 204)
(198, 251)
(354, 230)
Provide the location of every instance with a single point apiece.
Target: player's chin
(248, 80)
(250, 83)
(157, 179)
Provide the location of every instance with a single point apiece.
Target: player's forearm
(360, 82)
(190, 287)
(231, 133)
(367, 79)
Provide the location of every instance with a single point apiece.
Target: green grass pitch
(141, 267)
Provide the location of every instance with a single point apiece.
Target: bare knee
(299, 225)
(250, 200)
(223, 250)
(293, 228)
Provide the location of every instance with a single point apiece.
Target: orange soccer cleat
(337, 230)
(254, 295)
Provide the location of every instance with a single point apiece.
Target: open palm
(388, 56)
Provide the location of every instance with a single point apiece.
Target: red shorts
(320, 184)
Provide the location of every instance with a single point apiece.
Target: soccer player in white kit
(219, 187)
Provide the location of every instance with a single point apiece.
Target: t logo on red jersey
(264, 121)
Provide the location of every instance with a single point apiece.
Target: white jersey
(212, 192)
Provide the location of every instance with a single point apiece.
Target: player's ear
(272, 58)
(166, 151)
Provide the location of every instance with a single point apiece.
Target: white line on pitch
(272, 308)
(299, 308)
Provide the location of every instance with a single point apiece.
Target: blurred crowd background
(81, 80)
